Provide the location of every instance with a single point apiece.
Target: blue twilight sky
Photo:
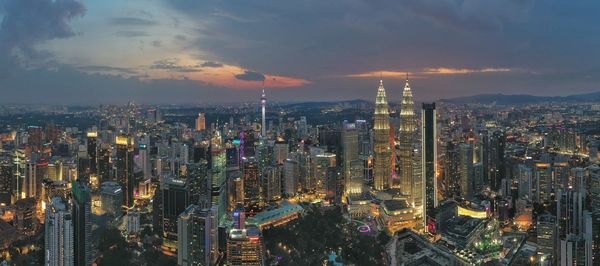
(190, 51)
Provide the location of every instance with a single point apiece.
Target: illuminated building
(382, 171)
(111, 198)
(429, 155)
(104, 163)
(466, 170)
(406, 138)
(197, 181)
(124, 165)
(281, 151)
(92, 152)
(470, 212)
(174, 201)
(218, 173)
(19, 165)
(272, 182)
(58, 234)
(397, 214)
(594, 194)
(6, 178)
(271, 218)
(323, 164)
(25, 220)
(133, 223)
(546, 236)
(200, 122)
(245, 247)
(82, 223)
(263, 105)
(353, 179)
(193, 237)
(358, 205)
(543, 178)
(239, 217)
(290, 177)
(253, 199)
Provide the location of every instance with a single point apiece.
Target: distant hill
(503, 99)
(325, 104)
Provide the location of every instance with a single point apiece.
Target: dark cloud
(173, 65)
(211, 64)
(107, 69)
(250, 76)
(180, 37)
(29, 22)
(132, 21)
(157, 43)
(131, 33)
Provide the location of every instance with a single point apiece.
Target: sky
(215, 51)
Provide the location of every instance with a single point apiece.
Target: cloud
(107, 69)
(428, 72)
(250, 76)
(132, 21)
(172, 64)
(470, 14)
(131, 33)
(211, 64)
(30, 22)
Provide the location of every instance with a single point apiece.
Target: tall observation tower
(406, 137)
(263, 103)
(382, 170)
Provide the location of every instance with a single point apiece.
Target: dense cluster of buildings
(452, 184)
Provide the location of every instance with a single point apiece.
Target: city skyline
(90, 52)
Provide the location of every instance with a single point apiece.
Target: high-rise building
(263, 104)
(92, 152)
(200, 122)
(6, 178)
(18, 184)
(174, 201)
(253, 199)
(58, 234)
(124, 167)
(321, 170)
(429, 155)
(466, 170)
(546, 236)
(382, 171)
(406, 139)
(111, 198)
(594, 194)
(193, 236)
(353, 179)
(245, 247)
(82, 223)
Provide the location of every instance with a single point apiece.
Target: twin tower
(389, 170)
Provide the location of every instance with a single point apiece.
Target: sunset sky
(190, 51)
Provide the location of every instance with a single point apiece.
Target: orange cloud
(425, 72)
(225, 76)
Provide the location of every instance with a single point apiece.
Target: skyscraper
(263, 104)
(92, 152)
(252, 194)
(466, 170)
(82, 223)
(200, 122)
(383, 152)
(406, 139)
(245, 247)
(353, 179)
(58, 234)
(124, 166)
(174, 199)
(429, 155)
(193, 236)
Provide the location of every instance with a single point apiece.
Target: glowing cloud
(427, 72)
